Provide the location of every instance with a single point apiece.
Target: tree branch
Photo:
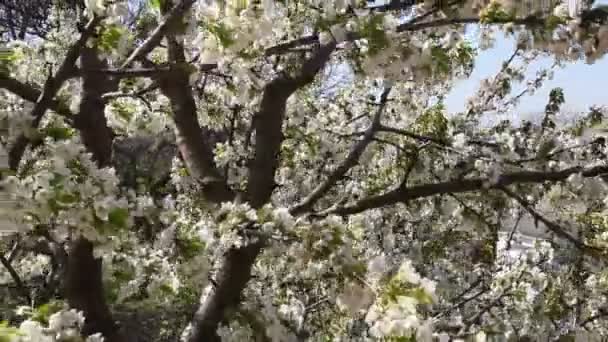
(286, 46)
(416, 26)
(350, 161)
(412, 135)
(552, 226)
(30, 93)
(159, 32)
(192, 139)
(51, 87)
(91, 120)
(269, 121)
(404, 194)
(135, 94)
(83, 285)
(16, 278)
(128, 73)
(236, 264)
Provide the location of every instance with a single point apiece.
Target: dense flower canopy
(287, 171)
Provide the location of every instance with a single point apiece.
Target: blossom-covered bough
(286, 171)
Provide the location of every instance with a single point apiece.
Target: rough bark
(351, 160)
(83, 289)
(192, 140)
(51, 87)
(30, 93)
(91, 121)
(403, 194)
(235, 267)
(83, 283)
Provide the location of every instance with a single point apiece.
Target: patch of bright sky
(584, 85)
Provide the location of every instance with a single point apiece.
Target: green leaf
(373, 30)
(441, 60)
(67, 198)
(222, 33)
(53, 205)
(166, 289)
(495, 13)
(110, 37)
(8, 57)
(43, 312)
(191, 247)
(432, 122)
(8, 333)
(420, 295)
(155, 4)
(553, 21)
(118, 217)
(122, 275)
(59, 133)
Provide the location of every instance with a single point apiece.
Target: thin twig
(552, 226)
(350, 161)
(16, 278)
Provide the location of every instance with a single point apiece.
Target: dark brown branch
(135, 94)
(16, 278)
(416, 26)
(236, 264)
(91, 121)
(404, 194)
(286, 46)
(14, 250)
(269, 121)
(412, 135)
(84, 290)
(83, 285)
(602, 312)
(129, 73)
(192, 140)
(351, 160)
(31, 93)
(51, 87)
(159, 32)
(312, 39)
(464, 301)
(152, 72)
(514, 229)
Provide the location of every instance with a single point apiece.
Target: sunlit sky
(583, 84)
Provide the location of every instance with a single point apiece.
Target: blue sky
(584, 85)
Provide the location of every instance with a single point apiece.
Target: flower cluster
(62, 325)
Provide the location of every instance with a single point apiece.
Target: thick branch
(91, 121)
(31, 94)
(83, 286)
(351, 160)
(51, 87)
(84, 290)
(235, 269)
(404, 194)
(268, 125)
(192, 139)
